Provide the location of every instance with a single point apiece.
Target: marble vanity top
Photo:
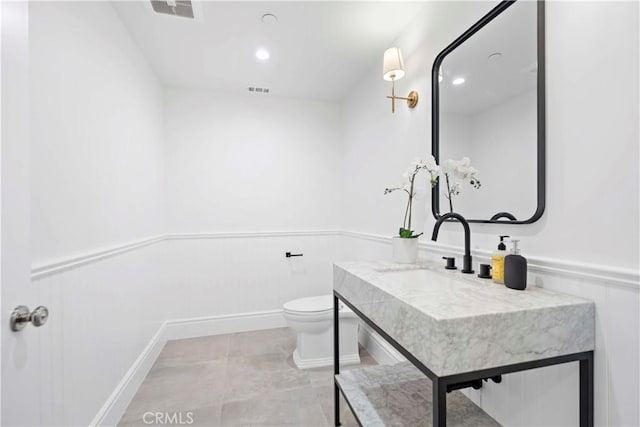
(455, 323)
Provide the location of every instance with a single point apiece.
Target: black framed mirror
(488, 106)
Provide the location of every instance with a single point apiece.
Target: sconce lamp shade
(393, 67)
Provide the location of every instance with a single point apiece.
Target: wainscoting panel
(102, 316)
(112, 310)
(222, 274)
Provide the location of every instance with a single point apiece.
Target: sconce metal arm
(412, 98)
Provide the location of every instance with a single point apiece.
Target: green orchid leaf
(406, 233)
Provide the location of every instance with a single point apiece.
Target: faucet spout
(467, 260)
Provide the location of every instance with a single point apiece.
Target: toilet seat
(310, 305)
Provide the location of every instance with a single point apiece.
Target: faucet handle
(451, 263)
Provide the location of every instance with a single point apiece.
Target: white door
(20, 351)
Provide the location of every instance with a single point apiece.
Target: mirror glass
(486, 94)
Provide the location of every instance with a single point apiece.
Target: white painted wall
(576, 197)
(96, 121)
(96, 175)
(212, 275)
(379, 145)
(247, 164)
(504, 131)
(251, 163)
(101, 172)
(592, 142)
(103, 315)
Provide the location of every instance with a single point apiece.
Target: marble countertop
(455, 323)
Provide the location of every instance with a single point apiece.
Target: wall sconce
(393, 69)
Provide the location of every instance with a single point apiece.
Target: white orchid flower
(457, 188)
(449, 166)
(431, 165)
(418, 164)
(460, 169)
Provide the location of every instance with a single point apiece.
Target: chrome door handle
(21, 315)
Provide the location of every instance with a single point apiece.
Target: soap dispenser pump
(515, 269)
(497, 261)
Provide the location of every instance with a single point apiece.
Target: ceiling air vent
(173, 7)
(253, 89)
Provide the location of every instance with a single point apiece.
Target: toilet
(312, 321)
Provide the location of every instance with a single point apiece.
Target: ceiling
(491, 82)
(318, 49)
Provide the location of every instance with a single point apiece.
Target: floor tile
(193, 350)
(246, 378)
(179, 388)
(287, 408)
(325, 397)
(321, 376)
(203, 417)
(280, 340)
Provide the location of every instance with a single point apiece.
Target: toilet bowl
(312, 320)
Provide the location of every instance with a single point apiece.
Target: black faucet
(466, 260)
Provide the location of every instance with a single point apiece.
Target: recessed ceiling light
(269, 18)
(458, 81)
(494, 56)
(262, 54)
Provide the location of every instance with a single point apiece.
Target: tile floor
(249, 379)
(243, 379)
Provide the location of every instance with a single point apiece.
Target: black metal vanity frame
(439, 384)
(541, 137)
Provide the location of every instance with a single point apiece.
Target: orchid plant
(409, 187)
(455, 171)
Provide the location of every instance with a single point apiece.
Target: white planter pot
(405, 251)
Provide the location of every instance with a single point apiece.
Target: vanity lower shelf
(400, 395)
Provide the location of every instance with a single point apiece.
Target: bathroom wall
(96, 183)
(96, 113)
(266, 173)
(251, 162)
(503, 135)
(584, 132)
(238, 181)
(585, 244)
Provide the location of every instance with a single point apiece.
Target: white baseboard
(225, 324)
(377, 347)
(117, 403)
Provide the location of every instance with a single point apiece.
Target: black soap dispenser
(515, 269)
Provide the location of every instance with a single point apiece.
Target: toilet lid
(310, 305)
